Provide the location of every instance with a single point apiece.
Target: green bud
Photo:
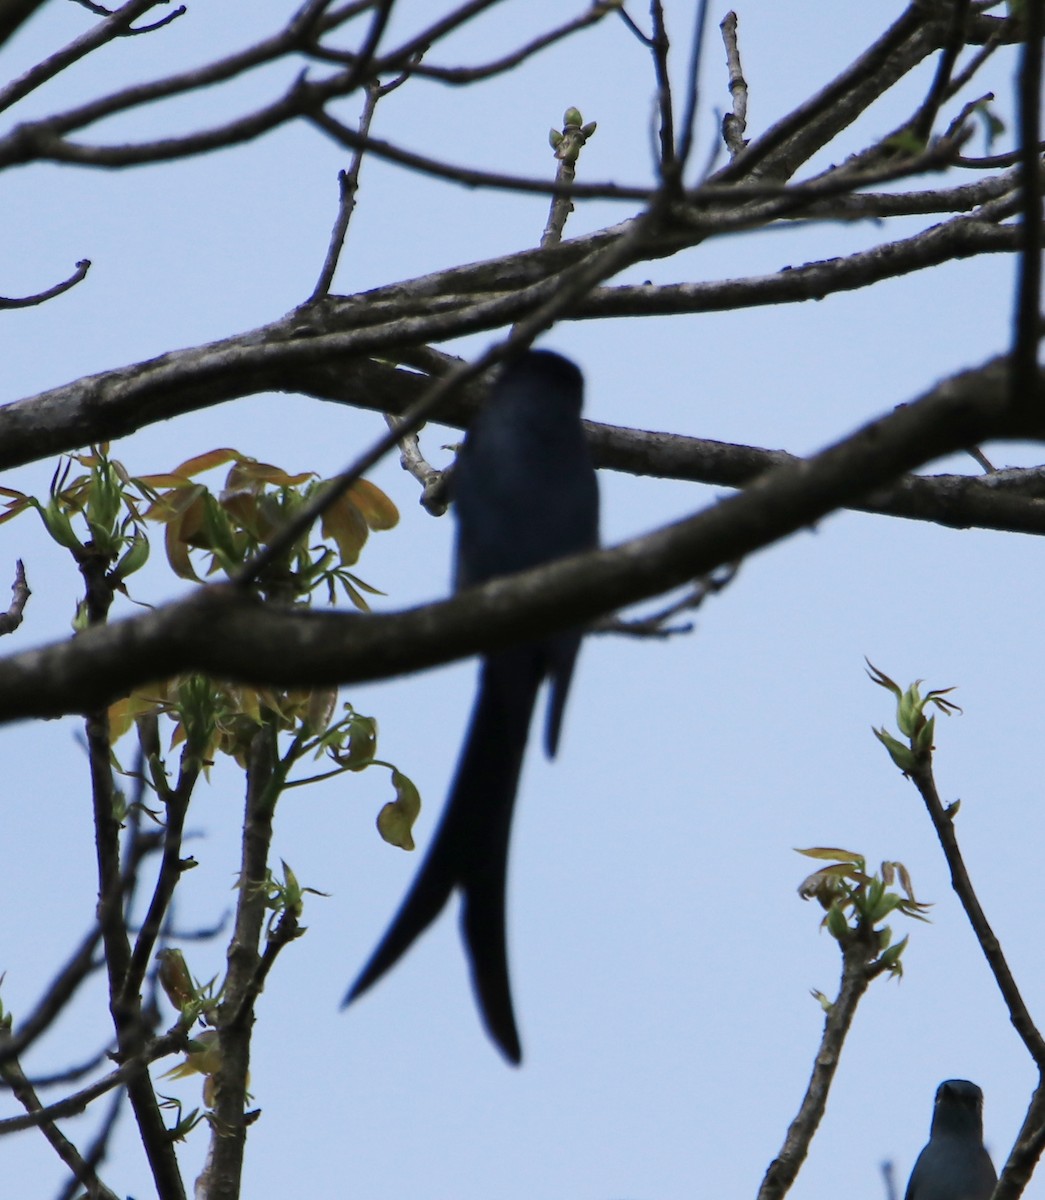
(554, 138)
(837, 925)
(60, 527)
(134, 558)
(902, 755)
(572, 116)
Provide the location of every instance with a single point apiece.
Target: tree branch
(227, 636)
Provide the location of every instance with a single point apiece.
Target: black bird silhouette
(524, 493)
(954, 1164)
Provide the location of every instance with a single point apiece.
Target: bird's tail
(470, 848)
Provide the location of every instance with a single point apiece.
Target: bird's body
(524, 494)
(954, 1165)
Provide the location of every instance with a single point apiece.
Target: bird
(954, 1165)
(524, 493)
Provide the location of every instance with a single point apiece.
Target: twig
(660, 47)
(125, 1009)
(176, 803)
(465, 75)
(734, 124)
(170, 1042)
(20, 593)
(287, 929)
(71, 1074)
(118, 23)
(568, 145)
(434, 497)
(690, 108)
(348, 185)
(921, 124)
(99, 1146)
(82, 267)
(633, 27)
(83, 1172)
(656, 624)
(943, 823)
(858, 970)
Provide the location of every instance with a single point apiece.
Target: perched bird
(954, 1164)
(524, 493)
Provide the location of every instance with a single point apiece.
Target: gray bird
(954, 1164)
(524, 494)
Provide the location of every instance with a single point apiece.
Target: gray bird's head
(958, 1109)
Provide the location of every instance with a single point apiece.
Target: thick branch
(317, 350)
(231, 637)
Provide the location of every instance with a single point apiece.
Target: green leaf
(395, 821)
(901, 755)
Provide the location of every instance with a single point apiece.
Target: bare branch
(465, 75)
(943, 823)
(433, 482)
(20, 593)
(231, 637)
(12, 1074)
(82, 267)
(921, 124)
(348, 185)
(157, 1048)
(734, 124)
(858, 970)
(115, 25)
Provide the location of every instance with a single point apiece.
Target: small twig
(643, 38)
(858, 970)
(660, 47)
(734, 124)
(994, 160)
(433, 481)
(978, 59)
(943, 823)
(20, 593)
(71, 1074)
(176, 802)
(348, 185)
(689, 109)
(13, 1075)
(287, 929)
(124, 15)
(99, 1147)
(170, 1042)
(465, 75)
(976, 453)
(656, 624)
(82, 267)
(568, 145)
(921, 123)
